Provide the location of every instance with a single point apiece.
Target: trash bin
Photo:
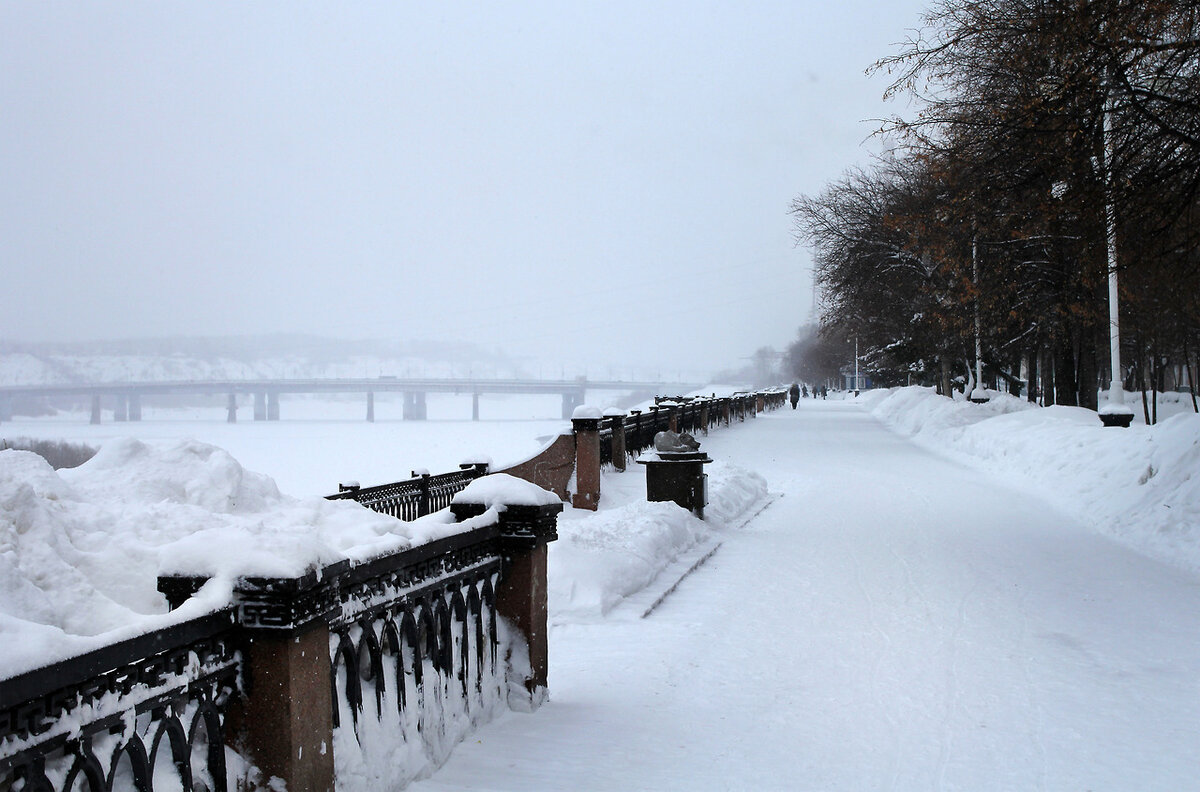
(678, 476)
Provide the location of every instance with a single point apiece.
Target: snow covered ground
(895, 620)
(950, 613)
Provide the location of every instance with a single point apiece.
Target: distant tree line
(58, 453)
(1036, 118)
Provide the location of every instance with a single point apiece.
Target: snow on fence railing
(153, 706)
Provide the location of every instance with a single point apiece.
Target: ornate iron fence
(415, 497)
(145, 713)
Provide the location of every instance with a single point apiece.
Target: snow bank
(603, 557)
(1140, 485)
(81, 549)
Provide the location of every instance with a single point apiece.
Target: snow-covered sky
(559, 180)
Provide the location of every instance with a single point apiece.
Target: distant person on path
(804, 391)
(794, 394)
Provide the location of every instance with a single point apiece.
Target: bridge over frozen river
(125, 398)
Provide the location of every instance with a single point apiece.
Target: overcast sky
(602, 183)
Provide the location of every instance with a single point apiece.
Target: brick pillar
(525, 530)
(586, 423)
(673, 417)
(725, 411)
(617, 422)
(704, 416)
(95, 408)
(285, 721)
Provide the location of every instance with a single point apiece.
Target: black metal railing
(151, 707)
(414, 643)
(415, 497)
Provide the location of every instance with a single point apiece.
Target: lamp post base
(1122, 420)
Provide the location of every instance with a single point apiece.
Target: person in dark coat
(794, 394)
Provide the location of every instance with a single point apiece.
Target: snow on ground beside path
(81, 549)
(604, 557)
(864, 633)
(1139, 485)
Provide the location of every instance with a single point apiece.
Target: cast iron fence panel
(413, 643)
(414, 497)
(115, 718)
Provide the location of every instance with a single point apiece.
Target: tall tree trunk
(1191, 373)
(1141, 365)
(944, 360)
(1155, 375)
(1065, 389)
(1031, 387)
(1088, 369)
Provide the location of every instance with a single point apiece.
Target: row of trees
(1040, 121)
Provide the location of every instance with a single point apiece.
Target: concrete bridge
(125, 398)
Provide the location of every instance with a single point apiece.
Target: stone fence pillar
(525, 530)
(284, 722)
(586, 423)
(704, 416)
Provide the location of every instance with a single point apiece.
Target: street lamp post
(978, 394)
(1114, 412)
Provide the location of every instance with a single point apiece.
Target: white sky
(587, 183)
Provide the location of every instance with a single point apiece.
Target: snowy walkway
(866, 632)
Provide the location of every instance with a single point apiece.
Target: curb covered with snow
(1140, 485)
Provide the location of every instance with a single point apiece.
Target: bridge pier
(414, 406)
(272, 406)
(475, 406)
(121, 408)
(95, 408)
(260, 406)
(135, 406)
(370, 406)
(571, 400)
(231, 408)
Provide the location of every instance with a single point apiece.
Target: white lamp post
(1114, 412)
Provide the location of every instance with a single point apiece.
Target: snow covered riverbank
(1139, 485)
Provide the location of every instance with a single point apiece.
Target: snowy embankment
(1141, 485)
(81, 550)
(601, 558)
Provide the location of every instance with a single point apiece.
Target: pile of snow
(603, 557)
(81, 549)
(1139, 485)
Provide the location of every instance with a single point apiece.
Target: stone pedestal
(587, 461)
(678, 476)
